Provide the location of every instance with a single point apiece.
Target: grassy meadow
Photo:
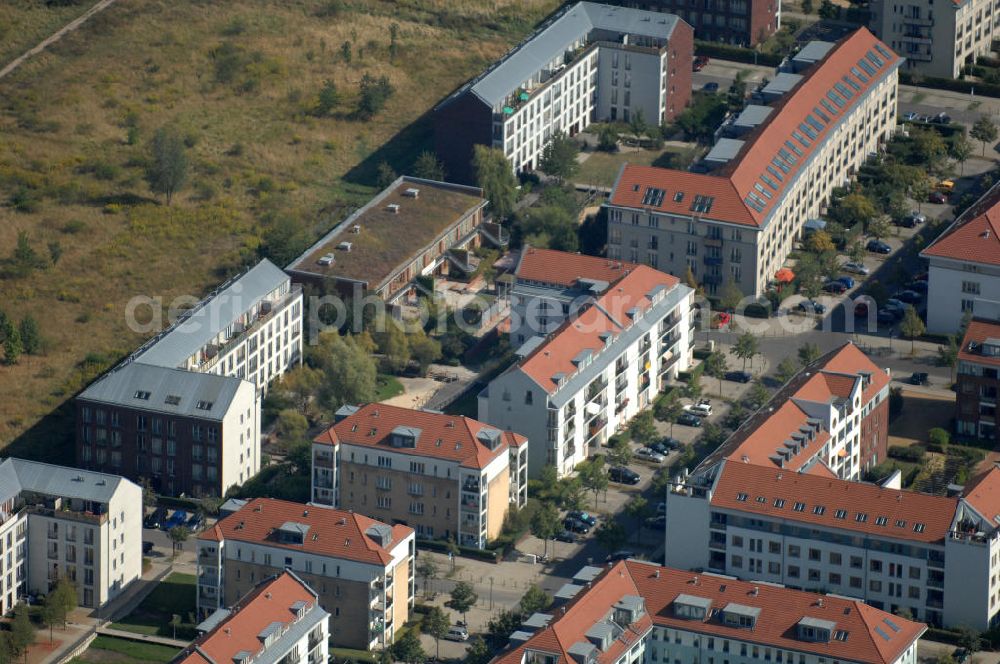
(240, 82)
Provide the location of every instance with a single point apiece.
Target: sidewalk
(148, 638)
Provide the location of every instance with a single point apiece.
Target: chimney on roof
(819, 602)
(228, 631)
(305, 512)
(657, 575)
(755, 591)
(267, 595)
(694, 581)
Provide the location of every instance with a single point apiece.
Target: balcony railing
(323, 461)
(222, 349)
(596, 388)
(83, 517)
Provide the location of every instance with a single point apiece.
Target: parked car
(918, 286)
(689, 420)
(945, 185)
(699, 63)
(156, 518)
(701, 409)
(661, 508)
(624, 554)
(941, 118)
(623, 475)
(847, 281)
(178, 518)
(457, 633)
(919, 378)
(147, 548)
(739, 376)
(666, 445)
(835, 287)
(856, 268)
(195, 522)
(567, 536)
(960, 655)
(911, 116)
(878, 247)
(711, 86)
(909, 221)
(937, 197)
(720, 320)
(657, 522)
(576, 526)
(812, 307)
(648, 454)
(580, 515)
(909, 297)
(894, 304)
(885, 317)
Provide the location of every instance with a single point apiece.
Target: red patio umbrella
(785, 276)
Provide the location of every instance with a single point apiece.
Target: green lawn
(122, 651)
(386, 387)
(601, 168)
(174, 595)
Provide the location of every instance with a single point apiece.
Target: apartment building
(357, 566)
(576, 387)
(591, 62)
(978, 382)
(60, 522)
(183, 431)
(445, 476)
(964, 267)
(738, 223)
(279, 620)
(636, 612)
(831, 419)
(936, 40)
(551, 285)
(739, 22)
(183, 411)
(935, 557)
(435, 225)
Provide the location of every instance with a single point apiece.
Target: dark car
(941, 118)
(657, 522)
(689, 420)
(147, 548)
(919, 286)
(919, 378)
(699, 63)
(847, 281)
(566, 536)
(624, 554)
(886, 317)
(580, 515)
(155, 518)
(908, 296)
(811, 307)
(711, 86)
(835, 287)
(576, 526)
(960, 655)
(195, 522)
(878, 247)
(937, 197)
(739, 376)
(623, 475)
(659, 447)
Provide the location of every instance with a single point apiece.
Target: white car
(650, 455)
(699, 409)
(856, 268)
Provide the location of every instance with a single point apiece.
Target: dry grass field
(240, 81)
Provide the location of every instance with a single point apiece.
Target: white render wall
(240, 448)
(946, 297)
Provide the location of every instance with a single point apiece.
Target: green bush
(736, 53)
(757, 310)
(913, 453)
(939, 437)
(488, 555)
(984, 89)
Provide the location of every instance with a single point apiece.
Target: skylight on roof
(807, 130)
(840, 635)
(142, 395)
(850, 82)
(760, 188)
(840, 514)
(828, 106)
(893, 626)
(794, 148)
(801, 139)
(779, 502)
(864, 64)
(678, 196)
(881, 520)
(755, 202)
(799, 507)
(204, 405)
(881, 49)
(918, 527)
(857, 73)
(877, 61)
(819, 510)
(835, 98)
(842, 89)
(770, 183)
(785, 168)
(821, 115)
(742, 497)
(881, 632)
(653, 196)
(900, 523)
(761, 499)
(702, 203)
(861, 517)
(814, 123)
(172, 400)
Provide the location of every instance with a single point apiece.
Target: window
(529, 397)
(142, 395)
(794, 551)
(204, 405)
(971, 287)
(799, 507)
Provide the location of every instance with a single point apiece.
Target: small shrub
(73, 227)
(939, 437)
(913, 453)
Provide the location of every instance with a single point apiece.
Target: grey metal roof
(407, 431)
(17, 475)
(725, 150)
(295, 633)
(633, 603)
(552, 40)
(231, 506)
(294, 527)
(814, 51)
(693, 600)
(782, 83)
(381, 533)
(752, 115)
(211, 622)
(742, 610)
(587, 574)
(818, 623)
(568, 591)
(538, 620)
(119, 387)
(215, 313)
(528, 347)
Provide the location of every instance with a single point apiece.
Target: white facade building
(635, 612)
(586, 380)
(738, 223)
(279, 621)
(964, 267)
(937, 558)
(58, 522)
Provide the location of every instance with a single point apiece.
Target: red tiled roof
(849, 359)
(441, 436)
(781, 609)
(975, 236)
(563, 268)
(269, 602)
(607, 315)
(731, 185)
(979, 331)
(333, 533)
(984, 495)
(766, 439)
(903, 510)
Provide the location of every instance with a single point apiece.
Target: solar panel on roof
(814, 123)
(864, 64)
(759, 187)
(893, 626)
(881, 49)
(850, 82)
(877, 61)
(842, 89)
(786, 155)
(780, 164)
(770, 183)
(821, 115)
(835, 98)
(807, 130)
(801, 139)
(881, 632)
(794, 148)
(828, 106)
(857, 73)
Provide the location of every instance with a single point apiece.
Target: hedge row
(443, 547)
(982, 89)
(736, 53)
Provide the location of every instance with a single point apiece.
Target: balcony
(322, 481)
(212, 353)
(471, 485)
(713, 241)
(323, 460)
(596, 388)
(83, 517)
(713, 279)
(713, 260)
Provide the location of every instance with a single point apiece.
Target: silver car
(650, 455)
(855, 268)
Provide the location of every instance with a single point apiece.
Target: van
(457, 633)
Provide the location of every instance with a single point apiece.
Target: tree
(548, 226)
(593, 476)
(60, 601)
(960, 149)
(745, 348)
(427, 568)
(167, 169)
(808, 353)
(495, 176)
(642, 430)
(820, 242)
(327, 99)
(856, 252)
(730, 297)
(292, 425)
(345, 51)
(178, 535)
(715, 366)
(424, 350)
(607, 138)
(500, 627)
(534, 600)
(374, 93)
(948, 354)
(478, 652)
(428, 167)
(692, 388)
(911, 326)
(385, 175)
(436, 624)
(928, 148)
(758, 395)
(619, 451)
(463, 598)
(22, 632)
(545, 524)
(786, 370)
(969, 639)
(407, 648)
(920, 189)
(559, 157)
(611, 535)
(854, 208)
(668, 408)
(349, 371)
(12, 345)
(638, 509)
(689, 279)
(571, 493)
(807, 7)
(984, 130)
(879, 227)
(939, 437)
